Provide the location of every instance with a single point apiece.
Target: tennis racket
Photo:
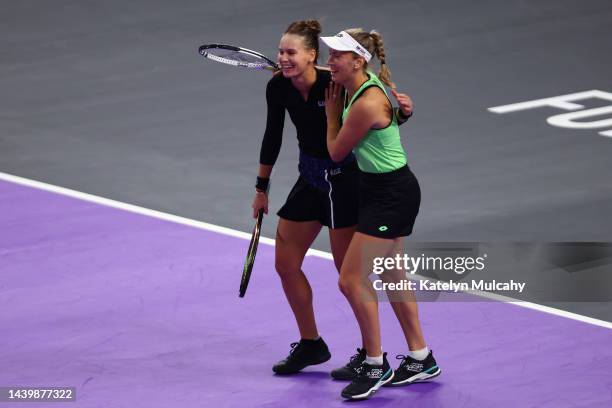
(250, 258)
(237, 56)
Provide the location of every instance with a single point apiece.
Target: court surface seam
(268, 241)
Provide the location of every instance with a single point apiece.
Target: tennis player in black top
(325, 193)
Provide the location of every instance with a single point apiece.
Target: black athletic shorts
(333, 204)
(388, 203)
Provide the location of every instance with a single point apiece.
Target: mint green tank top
(380, 150)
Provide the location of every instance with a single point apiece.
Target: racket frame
(205, 49)
(250, 258)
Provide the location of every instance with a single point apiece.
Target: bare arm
(370, 111)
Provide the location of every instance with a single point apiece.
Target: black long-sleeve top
(307, 116)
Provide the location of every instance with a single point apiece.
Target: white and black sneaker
(349, 371)
(411, 370)
(303, 354)
(368, 380)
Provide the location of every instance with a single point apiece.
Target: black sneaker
(303, 354)
(369, 379)
(349, 371)
(411, 370)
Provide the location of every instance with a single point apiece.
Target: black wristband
(401, 115)
(262, 184)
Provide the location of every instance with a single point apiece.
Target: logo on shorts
(383, 228)
(321, 104)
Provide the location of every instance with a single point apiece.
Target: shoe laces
(354, 360)
(362, 372)
(410, 363)
(403, 358)
(294, 347)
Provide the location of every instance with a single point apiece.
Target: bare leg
(292, 241)
(340, 240)
(357, 288)
(404, 305)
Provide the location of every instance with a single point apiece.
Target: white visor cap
(344, 42)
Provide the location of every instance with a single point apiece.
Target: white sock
(374, 360)
(419, 354)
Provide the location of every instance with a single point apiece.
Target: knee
(347, 286)
(286, 267)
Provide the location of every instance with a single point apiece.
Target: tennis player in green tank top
(360, 119)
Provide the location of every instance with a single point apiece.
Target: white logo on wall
(572, 120)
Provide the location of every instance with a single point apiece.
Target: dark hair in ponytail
(373, 42)
(309, 30)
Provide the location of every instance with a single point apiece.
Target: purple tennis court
(119, 141)
(136, 311)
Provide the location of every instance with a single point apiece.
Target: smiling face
(293, 57)
(344, 65)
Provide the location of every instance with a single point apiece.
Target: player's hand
(404, 102)
(259, 201)
(333, 101)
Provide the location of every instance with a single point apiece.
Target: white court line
(269, 241)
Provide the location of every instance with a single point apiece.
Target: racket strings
(240, 57)
(237, 60)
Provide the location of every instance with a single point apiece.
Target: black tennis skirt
(388, 203)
